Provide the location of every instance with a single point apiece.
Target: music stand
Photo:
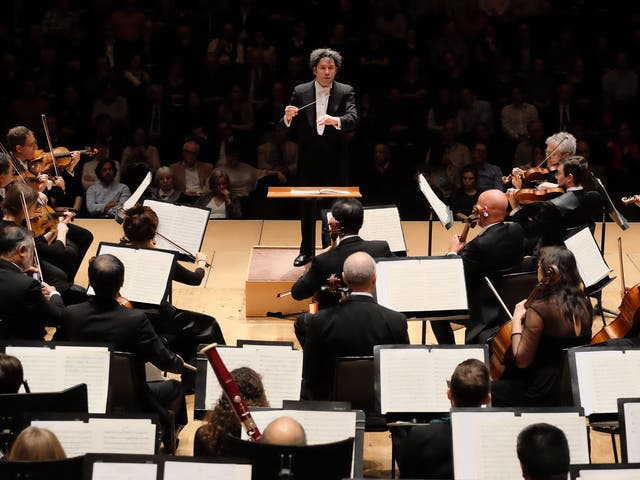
(67, 468)
(329, 461)
(437, 206)
(629, 407)
(312, 195)
(610, 470)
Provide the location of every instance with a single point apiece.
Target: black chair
(14, 408)
(329, 461)
(354, 382)
(515, 287)
(68, 468)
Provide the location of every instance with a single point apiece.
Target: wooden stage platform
(229, 244)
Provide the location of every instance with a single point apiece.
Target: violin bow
(33, 240)
(622, 283)
(53, 155)
(564, 139)
(497, 295)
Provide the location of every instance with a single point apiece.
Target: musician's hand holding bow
(47, 290)
(456, 244)
(201, 259)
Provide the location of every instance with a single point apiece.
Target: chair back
(124, 386)
(68, 468)
(515, 287)
(354, 382)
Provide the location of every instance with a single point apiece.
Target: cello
(627, 323)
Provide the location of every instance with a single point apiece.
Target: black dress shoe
(302, 259)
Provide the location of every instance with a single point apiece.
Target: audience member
(165, 188)
(466, 197)
(190, 174)
(279, 154)
(427, 451)
(34, 444)
(489, 176)
(285, 431)
(219, 198)
(210, 438)
(104, 199)
(543, 451)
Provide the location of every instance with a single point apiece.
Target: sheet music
(209, 471)
(55, 369)
(382, 224)
(482, 440)
(422, 285)
(604, 376)
(181, 224)
(632, 430)
(281, 371)
(124, 471)
(444, 213)
(103, 435)
(146, 272)
(133, 199)
(591, 265)
(610, 474)
(415, 379)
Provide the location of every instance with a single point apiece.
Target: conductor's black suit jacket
(352, 328)
(323, 159)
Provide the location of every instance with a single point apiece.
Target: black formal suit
(105, 320)
(323, 159)
(498, 249)
(352, 328)
(24, 312)
(426, 452)
(551, 221)
(332, 261)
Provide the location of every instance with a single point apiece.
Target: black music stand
(622, 418)
(576, 469)
(68, 468)
(329, 461)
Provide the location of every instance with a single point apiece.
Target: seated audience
(279, 154)
(219, 198)
(108, 195)
(139, 153)
(284, 431)
(559, 317)
(427, 452)
(351, 328)
(543, 451)
(165, 188)
(190, 174)
(488, 175)
(35, 444)
(210, 438)
(11, 374)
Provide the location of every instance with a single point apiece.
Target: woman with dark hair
(11, 374)
(35, 444)
(183, 329)
(211, 436)
(557, 317)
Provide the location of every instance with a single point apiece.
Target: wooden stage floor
(229, 243)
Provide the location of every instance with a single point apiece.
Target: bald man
(351, 328)
(285, 431)
(497, 249)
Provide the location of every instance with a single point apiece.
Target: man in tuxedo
(350, 329)
(348, 215)
(550, 222)
(427, 451)
(321, 111)
(497, 249)
(543, 452)
(103, 319)
(26, 306)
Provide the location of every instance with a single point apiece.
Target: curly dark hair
(140, 223)
(222, 420)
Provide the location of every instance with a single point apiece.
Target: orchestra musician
(184, 329)
(76, 240)
(556, 317)
(498, 248)
(549, 223)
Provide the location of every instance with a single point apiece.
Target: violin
(525, 196)
(627, 323)
(123, 301)
(535, 174)
(43, 161)
(470, 222)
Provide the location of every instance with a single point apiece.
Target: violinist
(497, 248)
(557, 315)
(184, 329)
(552, 220)
(22, 143)
(26, 305)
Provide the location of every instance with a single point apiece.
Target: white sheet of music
(181, 224)
(382, 224)
(209, 471)
(124, 471)
(281, 370)
(146, 272)
(606, 375)
(610, 474)
(415, 379)
(632, 430)
(482, 440)
(591, 265)
(54, 369)
(444, 213)
(103, 435)
(422, 285)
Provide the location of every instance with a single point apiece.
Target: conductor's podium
(271, 272)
